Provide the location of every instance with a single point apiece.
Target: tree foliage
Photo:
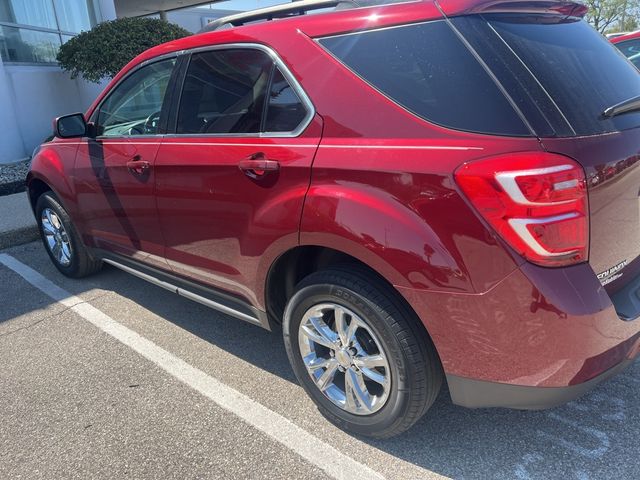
(103, 51)
(608, 15)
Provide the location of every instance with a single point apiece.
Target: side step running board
(187, 294)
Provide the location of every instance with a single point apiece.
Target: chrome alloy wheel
(57, 239)
(344, 359)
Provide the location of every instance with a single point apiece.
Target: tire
(57, 230)
(387, 330)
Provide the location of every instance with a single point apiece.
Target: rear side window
(285, 111)
(429, 71)
(580, 70)
(224, 92)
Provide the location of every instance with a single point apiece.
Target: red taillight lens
(537, 202)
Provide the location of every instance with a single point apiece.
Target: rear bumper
(540, 338)
(471, 393)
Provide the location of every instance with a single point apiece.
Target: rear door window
(224, 92)
(581, 71)
(428, 70)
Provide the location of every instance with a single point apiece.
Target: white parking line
(311, 448)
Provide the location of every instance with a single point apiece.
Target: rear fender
(370, 225)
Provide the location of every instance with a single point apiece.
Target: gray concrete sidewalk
(17, 224)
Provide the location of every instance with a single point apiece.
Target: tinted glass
(285, 111)
(428, 70)
(580, 69)
(224, 92)
(134, 107)
(532, 100)
(630, 47)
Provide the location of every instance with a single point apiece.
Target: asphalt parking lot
(118, 378)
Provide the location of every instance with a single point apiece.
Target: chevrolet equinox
(414, 192)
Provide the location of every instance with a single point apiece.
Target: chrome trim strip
(217, 306)
(209, 144)
(293, 145)
(185, 293)
(302, 95)
(403, 147)
(143, 276)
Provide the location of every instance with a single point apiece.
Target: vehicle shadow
(594, 437)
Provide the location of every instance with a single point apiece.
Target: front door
(231, 181)
(115, 175)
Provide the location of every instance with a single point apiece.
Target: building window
(31, 31)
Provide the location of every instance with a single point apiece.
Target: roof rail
(300, 7)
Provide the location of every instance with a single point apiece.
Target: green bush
(105, 49)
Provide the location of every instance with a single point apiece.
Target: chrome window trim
(279, 63)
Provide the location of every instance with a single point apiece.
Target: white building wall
(187, 19)
(41, 93)
(194, 19)
(11, 146)
(31, 96)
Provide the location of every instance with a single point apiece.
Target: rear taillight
(537, 202)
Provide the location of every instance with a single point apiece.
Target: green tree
(627, 24)
(102, 51)
(606, 14)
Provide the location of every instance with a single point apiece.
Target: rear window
(428, 70)
(580, 70)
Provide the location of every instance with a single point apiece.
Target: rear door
(231, 180)
(114, 173)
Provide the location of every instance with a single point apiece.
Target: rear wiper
(630, 105)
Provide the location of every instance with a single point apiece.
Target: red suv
(629, 45)
(415, 192)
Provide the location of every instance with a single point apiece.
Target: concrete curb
(17, 223)
(13, 176)
(12, 187)
(19, 236)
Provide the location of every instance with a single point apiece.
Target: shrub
(103, 51)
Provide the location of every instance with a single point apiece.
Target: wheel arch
(35, 188)
(298, 262)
